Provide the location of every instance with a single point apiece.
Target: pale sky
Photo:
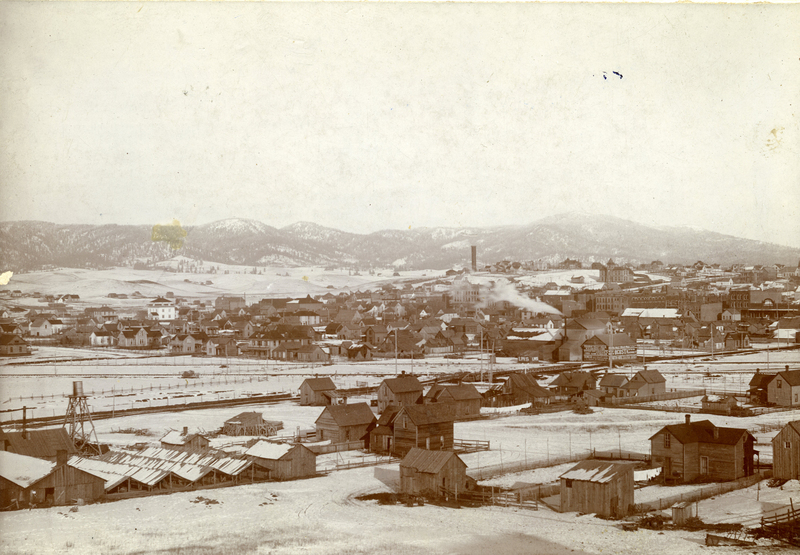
(372, 116)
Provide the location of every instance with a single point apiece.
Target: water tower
(78, 421)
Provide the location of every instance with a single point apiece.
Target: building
(162, 309)
(519, 389)
(40, 444)
(622, 347)
(283, 461)
(784, 389)
(570, 383)
(701, 451)
(786, 452)
(433, 473)
(463, 400)
(612, 384)
(423, 426)
(12, 345)
(599, 487)
(251, 424)
(27, 481)
(317, 392)
(719, 404)
(644, 383)
(400, 391)
(345, 423)
(184, 441)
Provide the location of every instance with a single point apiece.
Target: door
(703, 465)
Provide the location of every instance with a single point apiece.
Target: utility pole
(395, 351)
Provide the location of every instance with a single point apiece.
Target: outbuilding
(345, 423)
(786, 452)
(600, 487)
(317, 391)
(251, 424)
(184, 441)
(283, 461)
(433, 473)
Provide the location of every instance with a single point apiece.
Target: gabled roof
(460, 392)
(760, 380)
(528, 384)
(354, 414)
(403, 384)
(792, 377)
(573, 379)
(429, 462)
(600, 472)
(22, 470)
(247, 418)
(794, 426)
(703, 432)
(423, 415)
(613, 380)
(268, 450)
(320, 384)
(177, 438)
(41, 444)
(648, 376)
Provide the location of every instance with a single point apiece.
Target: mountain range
(30, 245)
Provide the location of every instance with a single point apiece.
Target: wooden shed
(317, 391)
(423, 426)
(41, 444)
(400, 391)
(26, 481)
(343, 423)
(600, 487)
(184, 441)
(251, 424)
(283, 461)
(786, 452)
(433, 473)
(719, 404)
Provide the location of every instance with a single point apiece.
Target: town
(500, 387)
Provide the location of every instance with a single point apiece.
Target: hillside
(30, 245)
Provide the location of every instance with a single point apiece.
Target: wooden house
(12, 345)
(400, 391)
(612, 385)
(317, 392)
(701, 451)
(424, 426)
(784, 389)
(644, 383)
(344, 423)
(184, 441)
(463, 400)
(719, 404)
(600, 487)
(27, 481)
(759, 387)
(283, 461)
(570, 383)
(251, 424)
(523, 388)
(433, 473)
(786, 452)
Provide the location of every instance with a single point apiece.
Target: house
(221, 346)
(433, 474)
(40, 444)
(786, 452)
(701, 451)
(719, 404)
(41, 327)
(162, 309)
(644, 383)
(251, 424)
(317, 392)
(27, 481)
(759, 386)
(523, 388)
(424, 426)
(101, 338)
(612, 384)
(283, 461)
(463, 400)
(184, 441)
(784, 389)
(599, 487)
(300, 353)
(132, 339)
(570, 383)
(344, 423)
(400, 391)
(12, 345)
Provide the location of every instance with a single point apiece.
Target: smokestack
(474, 258)
(688, 418)
(186, 430)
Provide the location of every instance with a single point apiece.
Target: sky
(373, 116)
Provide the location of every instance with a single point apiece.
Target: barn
(600, 487)
(26, 481)
(283, 461)
(786, 452)
(251, 424)
(343, 423)
(317, 392)
(433, 473)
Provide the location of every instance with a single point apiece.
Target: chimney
(61, 457)
(474, 258)
(186, 430)
(688, 418)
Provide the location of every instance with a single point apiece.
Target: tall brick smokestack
(474, 258)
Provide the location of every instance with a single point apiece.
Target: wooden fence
(670, 395)
(702, 493)
(336, 447)
(492, 470)
(791, 516)
(470, 445)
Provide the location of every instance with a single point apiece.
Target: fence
(791, 515)
(702, 493)
(492, 470)
(470, 445)
(336, 447)
(683, 394)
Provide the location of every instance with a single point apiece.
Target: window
(569, 483)
(780, 383)
(667, 441)
(787, 445)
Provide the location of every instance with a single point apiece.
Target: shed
(41, 444)
(283, 461)
(719, 404)
(343, 423)
(317, 391)
(400, 391)
(433, 473)
(184, 441)
(600, 487)
(251, 424)
(786, 452)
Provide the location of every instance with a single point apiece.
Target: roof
(403, 384)
(426, 461)
(269, 450)
(23, 471)
(601, 472)
(319, 384)
(41, 444)
(422, 415)
(354, 414)
(703, 432)
(792, 377)
(613, 380)
(760, 379)
(460, 392)
(246, 418)
(528, 384)
(177, 438)
(795, 426)
(648, 376)
(613, 340)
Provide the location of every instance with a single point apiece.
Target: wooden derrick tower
(78, 422)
